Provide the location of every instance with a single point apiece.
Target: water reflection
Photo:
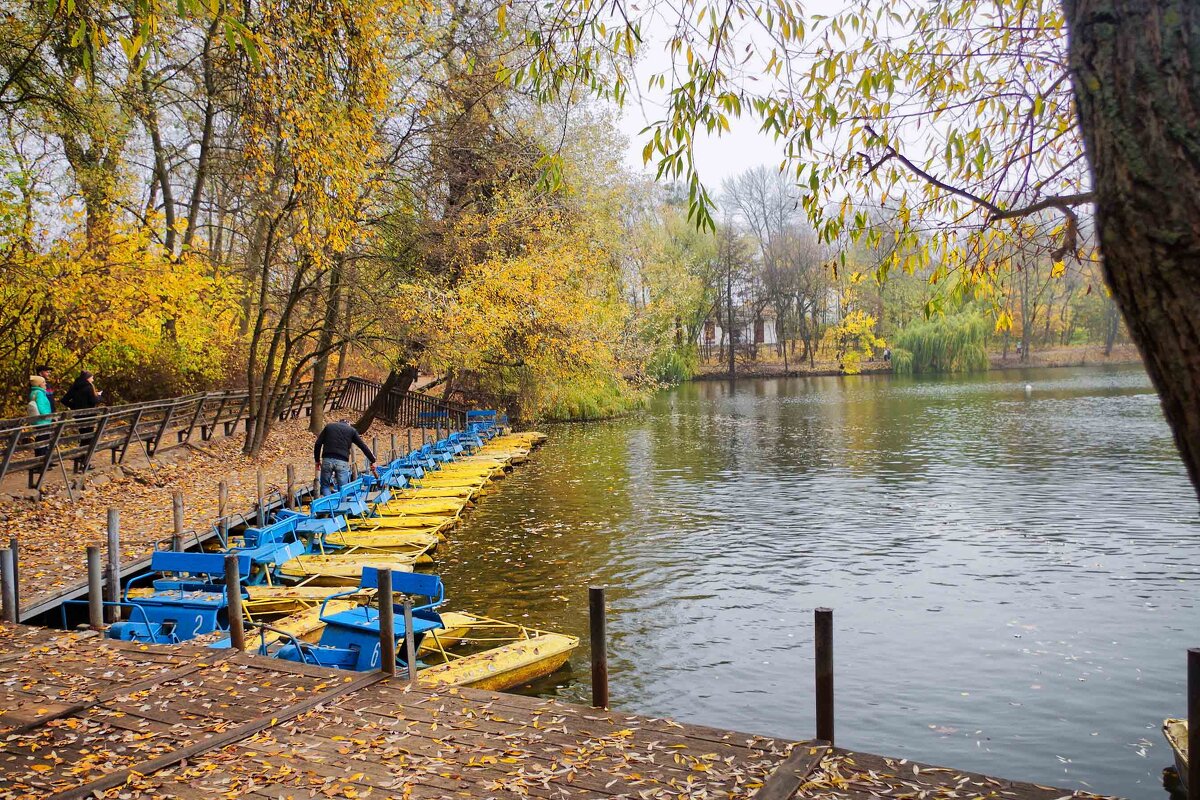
(1014, 577)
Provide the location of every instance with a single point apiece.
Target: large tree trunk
(1136, 73)
(397, 380)
(329, 326)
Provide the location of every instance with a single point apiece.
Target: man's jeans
(335, 474)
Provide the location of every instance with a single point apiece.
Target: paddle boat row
(308, 579)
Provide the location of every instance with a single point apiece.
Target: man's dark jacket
(335, 439)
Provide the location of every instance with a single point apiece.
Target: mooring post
(599, 634)
(222, 498)
(16, 551)
(823, 642)
(387, 623)
(393, 453)
(410, 644)
(233, 596)
(177, 516)
(8, 602)
(290, 500)
(1193, 710)
(262, 498)
(95, 588)
(410, 440)
(374, 449)
(114, 563)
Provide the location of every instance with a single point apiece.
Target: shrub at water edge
(948, 344)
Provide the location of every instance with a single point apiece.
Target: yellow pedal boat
(435, 506)
(440, 492)
(430, 523)
(395, 540)
(505, 667)
(345, 569)
(1176, 731)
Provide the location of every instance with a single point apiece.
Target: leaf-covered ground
(383, 740)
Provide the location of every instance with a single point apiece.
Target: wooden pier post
(387, 622)
(393, 454)
(16, 551)
(410, 448)
(1193, 711)
(114, 563)
(410, 644)
(95, 588)
(262, 498)
(177, 518)
(8, 602)
(290, 500)
(823, 643)
(599, 636)
(222, 499)
(374, 449)
(233, 595)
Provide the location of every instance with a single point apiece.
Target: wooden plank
(229, 736)
(115, 694)
(793, 772)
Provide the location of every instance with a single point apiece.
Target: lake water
(1015, 580)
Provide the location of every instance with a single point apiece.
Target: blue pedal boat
(350, 638)
(187, 599)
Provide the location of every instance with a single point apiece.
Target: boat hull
(505, 667)
(344, 570)
(1176, 732)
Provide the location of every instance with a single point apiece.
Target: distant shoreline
(1088, 356)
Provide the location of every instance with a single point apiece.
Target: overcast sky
(738, 150)
(717, 158)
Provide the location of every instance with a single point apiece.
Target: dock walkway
(83, 716)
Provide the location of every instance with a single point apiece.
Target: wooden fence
(38, 444)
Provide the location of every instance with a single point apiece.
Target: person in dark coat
(331, 451)
(82, 393)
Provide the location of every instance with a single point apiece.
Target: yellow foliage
(133, 315)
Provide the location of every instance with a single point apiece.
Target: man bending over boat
(332, 454)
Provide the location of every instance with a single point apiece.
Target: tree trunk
(1135, 65)
(1112, 324)
(397, 380)
(329, 326)
(729, 318)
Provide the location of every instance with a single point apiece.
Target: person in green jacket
(40, 408)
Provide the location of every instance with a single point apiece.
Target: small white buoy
(1029, 390)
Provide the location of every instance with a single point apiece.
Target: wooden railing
(38, 444)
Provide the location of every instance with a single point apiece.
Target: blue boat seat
(350, 639)
(190, 604)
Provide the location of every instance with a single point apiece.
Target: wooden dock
(84, 716)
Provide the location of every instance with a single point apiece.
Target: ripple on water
(1015, 579)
